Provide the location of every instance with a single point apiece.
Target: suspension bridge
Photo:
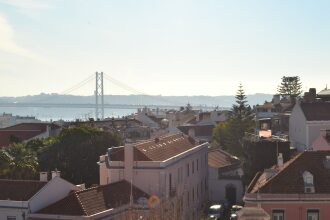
(99, 103)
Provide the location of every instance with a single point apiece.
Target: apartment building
(172, 168)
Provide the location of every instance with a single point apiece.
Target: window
(197, 164)
(193, 194)
(308, 182)
(193, 167)
(188, 169)
(312, 214)
(278, 215)
(197, 194)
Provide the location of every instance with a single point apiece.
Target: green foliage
(230, 134)
(76, 153)
(18, 162)
(290, 86)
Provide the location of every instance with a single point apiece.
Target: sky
(162, 47)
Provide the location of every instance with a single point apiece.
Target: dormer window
(308, 182)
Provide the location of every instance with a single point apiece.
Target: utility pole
(99, 96)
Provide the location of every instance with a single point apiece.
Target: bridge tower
(99, 96)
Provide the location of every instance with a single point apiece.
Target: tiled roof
(95, 200)
(317, 111)
(23, 131)
(289, 179)
(19, 190)
(221, 159)
(158, 149)
(165, 147)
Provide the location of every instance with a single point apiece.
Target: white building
(306, 122)
(225, 183)
(172, 168)
(7, 120)
(18, 198)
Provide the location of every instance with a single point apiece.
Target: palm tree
(24, 162)
(5, 161)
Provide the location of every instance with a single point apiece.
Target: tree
(76, 153)
(230, 134)
(241, 110)
(5, 160)
(290, 86)
(21, 163)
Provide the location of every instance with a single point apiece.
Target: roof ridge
(80, 203)
(285, 165)
(160, 138)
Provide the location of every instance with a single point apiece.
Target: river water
(67, 114)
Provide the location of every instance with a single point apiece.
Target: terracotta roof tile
(221, 159)
(158, 149)
(289, 179)
(19, 190)
(94, 200)
(165, 147)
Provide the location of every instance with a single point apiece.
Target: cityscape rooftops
(158, 149)
(288, 179)
(95, 200)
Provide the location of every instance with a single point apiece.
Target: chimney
(312, 94)
(43, 176)
(56, 173)
(280, 160)
(276, 99)
(128, 162)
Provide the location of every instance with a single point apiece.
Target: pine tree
(290, 86)
(241, 110)
(230, 134)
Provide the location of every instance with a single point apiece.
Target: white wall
(297, 128)
(153, 177)
(13, 208)
(217, 187)
(55, 190)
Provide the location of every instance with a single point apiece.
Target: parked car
(233, 217)
(235, 208)
(216, 211)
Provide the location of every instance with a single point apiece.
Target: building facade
(172, 168)
(298, 189)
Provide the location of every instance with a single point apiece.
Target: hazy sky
(168, 47)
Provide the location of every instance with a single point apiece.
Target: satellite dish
(142, 201)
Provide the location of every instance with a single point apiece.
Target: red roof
(158, 149)
(95, 200)
(19, 190)
(23, 131)
(221, 159)
(289, 179)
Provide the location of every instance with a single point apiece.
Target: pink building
(323, 141)
(173, 168)
(296, 190)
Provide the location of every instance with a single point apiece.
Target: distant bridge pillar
(99, 96)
